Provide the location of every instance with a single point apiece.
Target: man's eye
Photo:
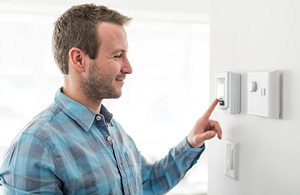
(118, 56)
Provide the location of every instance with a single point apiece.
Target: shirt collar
(79, 113)
(107, 115)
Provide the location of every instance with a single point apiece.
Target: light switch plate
(231, 159)
(264, 93)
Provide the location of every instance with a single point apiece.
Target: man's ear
(76, 58)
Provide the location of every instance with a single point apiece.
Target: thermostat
(228, 91)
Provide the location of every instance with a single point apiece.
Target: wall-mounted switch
(231, 159)
(264, 93)
(228, 89)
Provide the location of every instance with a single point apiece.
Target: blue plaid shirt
(69, 149)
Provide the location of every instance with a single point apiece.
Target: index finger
(211, 109)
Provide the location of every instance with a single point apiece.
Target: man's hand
(204, 129)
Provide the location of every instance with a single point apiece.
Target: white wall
(249, 35)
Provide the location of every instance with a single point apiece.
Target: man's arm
(162, 176)
(29, 168)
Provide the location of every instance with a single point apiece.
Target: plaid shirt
(68, 149)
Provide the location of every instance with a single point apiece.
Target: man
(75, 146)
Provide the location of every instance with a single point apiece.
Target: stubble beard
(97, 86)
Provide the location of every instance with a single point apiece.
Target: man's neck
(79, 97)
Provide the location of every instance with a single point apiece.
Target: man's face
(107, 72)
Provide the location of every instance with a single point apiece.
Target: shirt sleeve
(29, 168)
(162, 176)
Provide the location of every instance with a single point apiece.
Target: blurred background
(167, 92)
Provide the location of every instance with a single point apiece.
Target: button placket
(108, 138)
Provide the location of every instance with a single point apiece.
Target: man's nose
(126, 69)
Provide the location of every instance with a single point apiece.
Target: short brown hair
(77, 28)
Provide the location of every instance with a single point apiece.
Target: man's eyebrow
(120, 50)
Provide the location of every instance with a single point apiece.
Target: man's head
(90, 48)
(77, 27)
(104, 76)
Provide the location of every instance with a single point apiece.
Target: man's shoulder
(45, 123)
(39, 130)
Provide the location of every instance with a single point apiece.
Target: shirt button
(108, 138)
(98, 118)
(121, 168)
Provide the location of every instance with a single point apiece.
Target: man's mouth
(121, 78)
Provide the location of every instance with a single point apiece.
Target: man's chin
(114, 96)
